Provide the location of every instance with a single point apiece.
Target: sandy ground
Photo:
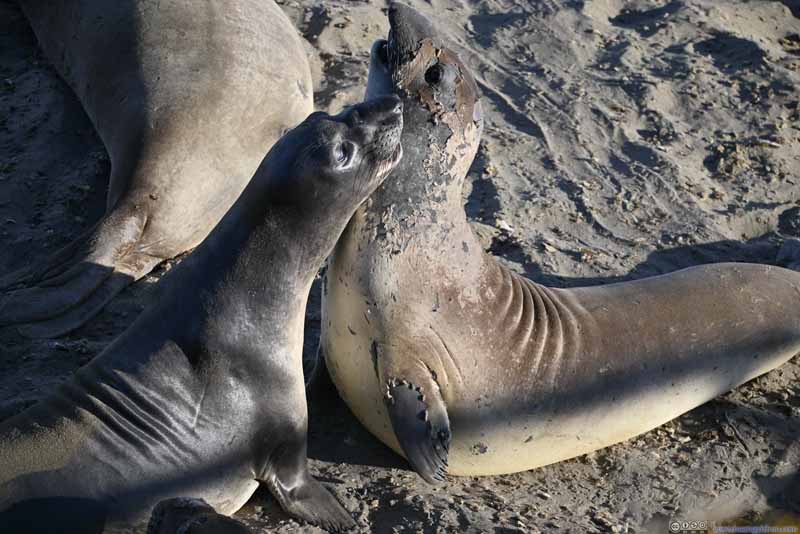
(623, 139)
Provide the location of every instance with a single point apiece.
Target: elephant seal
(187, 97)
(204, 394)
(465, 367)
(191, 516)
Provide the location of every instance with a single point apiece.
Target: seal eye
(434, 74)
(343, 153)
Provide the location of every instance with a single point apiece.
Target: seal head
(357, 147)
(443, 119)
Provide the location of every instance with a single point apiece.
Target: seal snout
(380, 52)
(379, 81)
(379, 124)
(408, 27)
(387, 109)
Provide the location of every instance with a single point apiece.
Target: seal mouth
(389, 163)
(387, 166)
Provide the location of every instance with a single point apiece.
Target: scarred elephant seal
(466, 367)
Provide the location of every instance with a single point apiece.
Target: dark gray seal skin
(204, 394)
(187, 97)
(191, 516)
(466, 367)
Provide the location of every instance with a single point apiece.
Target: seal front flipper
(313, 503)
(422, 427)
(300, 495)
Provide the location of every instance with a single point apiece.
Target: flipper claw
(423, 429)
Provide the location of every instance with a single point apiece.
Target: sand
(623, 139)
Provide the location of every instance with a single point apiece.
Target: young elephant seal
(464, 366)
(187, 97)
(204, 394)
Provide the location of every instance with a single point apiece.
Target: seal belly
(349, 329)
(511, 445)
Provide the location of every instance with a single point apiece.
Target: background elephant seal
(466, 367)
(191, 516)
(204, 394)
(187, 97)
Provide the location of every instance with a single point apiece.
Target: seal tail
(75, 283)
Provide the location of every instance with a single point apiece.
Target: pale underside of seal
(187, 97)
(468, 368)
(204, 396)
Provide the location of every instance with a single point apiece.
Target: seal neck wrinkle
(538, 323)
